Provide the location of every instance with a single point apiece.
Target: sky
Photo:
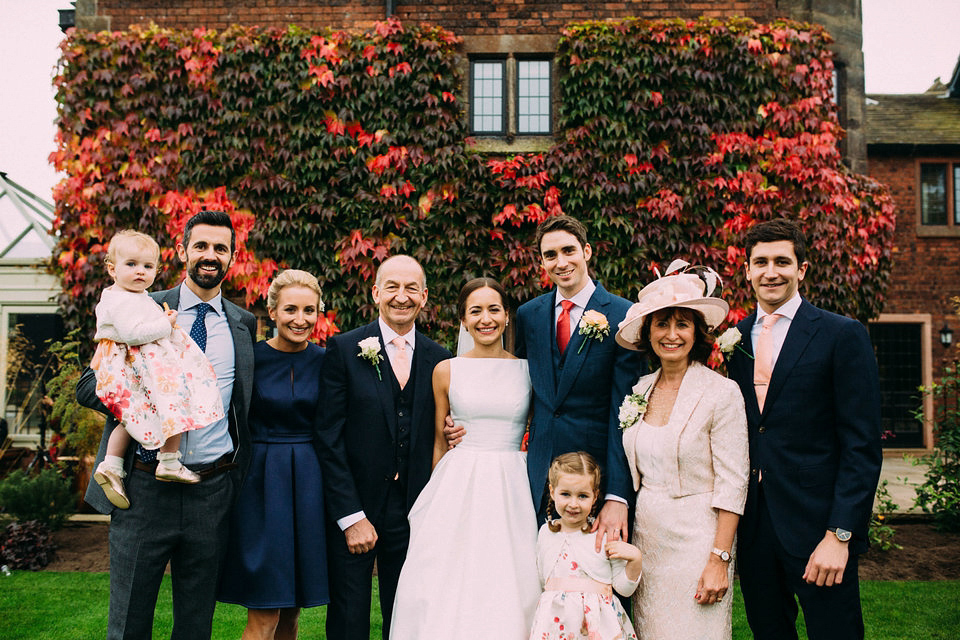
(907, 44)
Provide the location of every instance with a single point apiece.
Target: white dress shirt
(787, 311)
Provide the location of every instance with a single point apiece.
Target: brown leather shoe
(112, 486)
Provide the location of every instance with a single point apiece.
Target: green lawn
(55, 606)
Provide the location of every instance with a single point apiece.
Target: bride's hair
(578, 463)
(480, 283)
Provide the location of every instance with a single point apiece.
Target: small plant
(45, 496)
(27, 545)
(940, 492)
(881, 533)
(80, 427)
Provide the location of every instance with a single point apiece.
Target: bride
(471, 567)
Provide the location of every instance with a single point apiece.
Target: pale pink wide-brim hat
(684, 286)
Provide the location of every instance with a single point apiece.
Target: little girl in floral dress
(150, 374)
(578, 582)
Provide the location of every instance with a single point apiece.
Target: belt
(220, 465)
(582, 585)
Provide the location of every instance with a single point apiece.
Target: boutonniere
(370, 351)
(633, 408)
(593, 324)
(730, 340)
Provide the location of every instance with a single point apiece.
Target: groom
(578, 381)
(377, 432)
(810, 385)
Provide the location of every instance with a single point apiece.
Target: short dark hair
(562, 223)
(774, 231)
(213, 219)
(702, 338)
(480, 283)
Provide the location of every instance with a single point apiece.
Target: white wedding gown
(471, 568)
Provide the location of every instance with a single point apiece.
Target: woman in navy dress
(276, 557)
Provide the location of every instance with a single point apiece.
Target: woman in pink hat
(685, 438)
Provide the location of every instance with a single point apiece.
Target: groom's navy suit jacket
(576, 397)
(359, 425)
(817, 442)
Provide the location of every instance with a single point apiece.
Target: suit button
(753, 472)
(556, 414)
(761, 429)
(400, 413)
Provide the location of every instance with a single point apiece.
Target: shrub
(881, 533)
(44, 496)
(27, 545)
(331, 150)
(940, 492)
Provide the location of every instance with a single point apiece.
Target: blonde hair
(129, 235)
(293, 278)
(579, 463)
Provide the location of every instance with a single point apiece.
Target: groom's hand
(361, 536)
(611, 521)
(453, 433)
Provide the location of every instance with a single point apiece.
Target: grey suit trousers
(184, 524)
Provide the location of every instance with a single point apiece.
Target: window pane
(533, 96)
(487, 84)
(956, 194)
(933, 194)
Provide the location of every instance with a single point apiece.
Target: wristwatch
(842, 534)
(723, 555)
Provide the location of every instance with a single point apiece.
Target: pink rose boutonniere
(593, 324)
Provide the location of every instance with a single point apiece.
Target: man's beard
(207, 280)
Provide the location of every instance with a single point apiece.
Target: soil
(927, 554)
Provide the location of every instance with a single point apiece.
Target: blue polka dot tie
(199, 329)
(199, 334)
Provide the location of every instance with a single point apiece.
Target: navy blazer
(817, 442)
(358, 427)
(243, 328)
(575, 407)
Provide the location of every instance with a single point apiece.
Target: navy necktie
(199, 334)
(199, 329)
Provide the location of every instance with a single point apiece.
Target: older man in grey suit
(183, 524)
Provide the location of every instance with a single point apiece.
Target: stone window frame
(952, 227)
(510, 49)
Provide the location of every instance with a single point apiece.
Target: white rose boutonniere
(593, 324)
(730, 340)
(370, 351)
(633, 408)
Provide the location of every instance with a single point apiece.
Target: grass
(55, 606)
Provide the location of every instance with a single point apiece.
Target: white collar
(389, 334)
(787, 310)
(581, 298)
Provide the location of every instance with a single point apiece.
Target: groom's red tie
(563, 325)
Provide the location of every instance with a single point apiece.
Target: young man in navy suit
(810, 384)
(378, 432)
(578, 381)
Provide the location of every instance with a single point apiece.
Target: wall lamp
(946, 335)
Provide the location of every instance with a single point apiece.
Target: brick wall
(465, 17)
(926, 271)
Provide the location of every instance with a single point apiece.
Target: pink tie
(401, 361)
(763, 365)
(563, 325)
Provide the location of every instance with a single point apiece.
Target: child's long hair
(579, 463)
